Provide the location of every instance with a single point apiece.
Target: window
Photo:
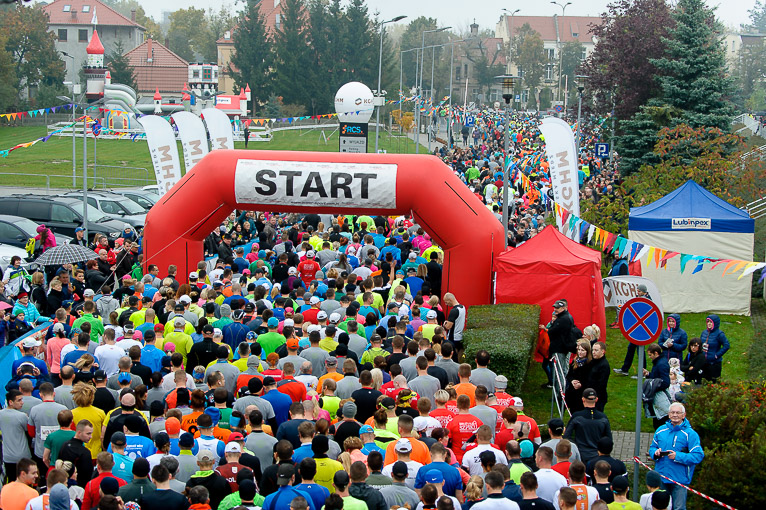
(82, 35)
(276, 3)
(33, 210)
(525, 96)
(574, 34)
(9, 233)
(62, 34)
(584, 54)
(549, 72)
(195, 73)
(63, 214)
(550, 53)
(67, 8)
(521, 71)
(110, 207)
(278, 21)
(207, 73)
(92, 201)
(86, 8)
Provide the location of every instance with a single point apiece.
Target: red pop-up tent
(548, 267)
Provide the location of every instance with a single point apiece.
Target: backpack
(570, 343)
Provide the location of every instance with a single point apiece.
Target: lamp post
(401, 78)
(64, 98)
(558, 42)
(510, 37)
(420, 86)
(380, 76)
(507, 82)
(581, 79)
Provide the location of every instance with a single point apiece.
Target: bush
(731, 421)
(757, 352)
(509, 333)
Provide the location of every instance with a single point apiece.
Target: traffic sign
(640, 321)
(602, 150)
(470, 121)
(558, 108)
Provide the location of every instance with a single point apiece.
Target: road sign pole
(639, 402)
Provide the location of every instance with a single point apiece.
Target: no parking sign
(640, 321)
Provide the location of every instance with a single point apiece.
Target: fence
(749, 123)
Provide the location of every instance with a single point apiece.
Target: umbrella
(5, 306)
(65, 254)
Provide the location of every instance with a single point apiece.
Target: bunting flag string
(574, 227)
(12, 116)
(4, 153)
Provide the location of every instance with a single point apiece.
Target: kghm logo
(691, 223)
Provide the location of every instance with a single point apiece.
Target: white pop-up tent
(691, 220)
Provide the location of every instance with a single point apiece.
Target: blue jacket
(685, 442)
(660, 370)
(679, 339)
(716, 340)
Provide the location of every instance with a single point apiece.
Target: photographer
(559, 332)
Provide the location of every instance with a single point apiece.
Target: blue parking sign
(470, 121)
(602, 150)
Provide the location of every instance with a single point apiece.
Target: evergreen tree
(360, 45)
(253, 58)
(119, 67)
(321, 39)
(292, 68)
(693, 75)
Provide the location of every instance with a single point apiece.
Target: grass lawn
(54, 157)
(622, 389)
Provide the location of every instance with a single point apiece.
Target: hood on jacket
(716, 321)
(59, 497)
(678, 320)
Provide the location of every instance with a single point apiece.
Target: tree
(34, 57)
(7, 89)
(693, 71)
(189, 34)
(412, 38)
(571, 62)
(218, 23)
(125, 7)
(120, 68)
(750, 68)
(253, 58)
(293, 59)
(529, 55)
(631, 34)
(758, 17)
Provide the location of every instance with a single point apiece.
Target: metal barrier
(47, 177)
(757, 208)
(128, 181)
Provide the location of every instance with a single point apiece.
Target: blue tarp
(9, 354)
(690, 202)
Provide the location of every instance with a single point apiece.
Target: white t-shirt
(108, 358)
(593, 495)
(41, 503)
(126, 343)
(168, 382)
(646, 501)
(548, 483)
(67, 349)
(496, 504)
(428, 424)
(455, 503)
(412, 471)
(473, 463)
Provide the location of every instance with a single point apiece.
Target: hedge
(509, 333)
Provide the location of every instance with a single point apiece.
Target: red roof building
(158, 68)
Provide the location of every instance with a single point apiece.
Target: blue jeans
(678, 495)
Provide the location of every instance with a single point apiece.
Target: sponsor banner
(219, 127)
(163, 150)
(316, 184)
(193, 137)
(618, 290)
(562, 158)
(690, 223)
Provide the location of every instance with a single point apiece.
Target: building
(203, 79)
(95, 72)
(555, 32)
(271, 10)
(156, 68)
(73, 23)
(466, 55)
(735, 40)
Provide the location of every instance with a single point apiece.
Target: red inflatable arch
(386, 184)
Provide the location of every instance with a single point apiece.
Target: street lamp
(558, 42)
(581, 80)
(507, 82)
(510, 60)
(380, 76)
(420, 86)
(64, 98)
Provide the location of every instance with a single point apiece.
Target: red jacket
(92, 496)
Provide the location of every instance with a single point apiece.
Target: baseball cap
(269, 381)
(413, 255)
(185, 299)
(322, 315)
(643, 288)
(340, 479)
(399, 469)
(431, 314)
(236, 436)
(193, 275)
(292, 343)
(88, 293)
(314, 300)
(589, 394)
(179, 322)
(79, 229)
(217, 332)
(434, 476)
(185, 440)
(619, 484)
(100, 375)
(402, 445)
(560, 303)
(58, 327)
(310, 254)
(392, 305)
(273, 322)
(172, 426)
(124, 377)
(501, 382)
(517, 402)
(331, 361)
(207, 329)
(205, 456)
(653, 479)
(366, 429)
(334, 318)
(238, 314)
(233, 447)
(28, 343)
(292, 271)
(388, 403)
(118, 438)
(556, 426)
(285, 473)
(161, 439)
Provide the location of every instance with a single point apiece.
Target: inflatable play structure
(387, 184)
(549, 267)
(693, 220)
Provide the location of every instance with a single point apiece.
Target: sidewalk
(625, 444)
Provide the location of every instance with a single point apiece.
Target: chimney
(167, 41)
(133, 15)
(149, 50)
(73, 13)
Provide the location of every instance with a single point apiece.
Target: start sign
(315, 184)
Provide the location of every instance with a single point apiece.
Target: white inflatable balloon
(351, 98)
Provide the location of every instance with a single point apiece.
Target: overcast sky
(460, 13)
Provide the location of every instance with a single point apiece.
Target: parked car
(116, 207)
(145, 199)
(60, 214)
(16, 231)
(7, 252)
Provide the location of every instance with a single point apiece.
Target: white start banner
(562, 158)
(163, 150)
(316, 184)
(618, 290)
(219, 127)
(690, 223)
(193, 137)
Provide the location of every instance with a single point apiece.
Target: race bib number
(46, 430)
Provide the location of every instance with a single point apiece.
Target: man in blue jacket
(714, 345)
(673, 339)
(676, 450)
